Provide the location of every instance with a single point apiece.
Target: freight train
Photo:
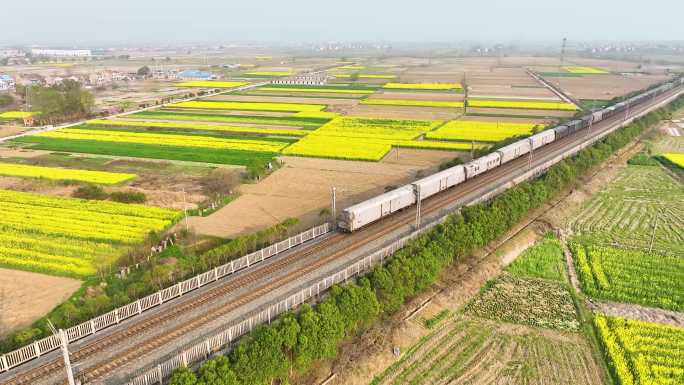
(362, 214)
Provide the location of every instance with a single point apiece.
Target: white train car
(440, 181)
(482, 164)
(542, 138)
(369, 211)
(598, 116)
(514, 150)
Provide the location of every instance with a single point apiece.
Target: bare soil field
(401, 112)
(511, 92)
(302, 188)
(604, 87)
(12, 130)
(6, 152)
(22, 303)
(506, 119)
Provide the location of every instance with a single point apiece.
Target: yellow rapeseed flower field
(71, 237)
(677, 159)
(314, 90)
(166, 139)
(366, 138)
(199, 127)
(479, 131)
(424, 86)
(413, 103)
(210, 84)
(56, 173)
(250, 106)
(585, 70)
(522, 104)
(16, 115)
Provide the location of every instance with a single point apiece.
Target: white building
(61, 52)
(6, 83)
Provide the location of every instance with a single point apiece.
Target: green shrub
(90, 191)
(128, 197)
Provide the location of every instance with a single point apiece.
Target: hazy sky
(74, 22)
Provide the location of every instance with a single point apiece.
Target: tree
(183, 376)
(6, 100)
(217, 371)
(144, 71)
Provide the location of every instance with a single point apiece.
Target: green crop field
(479, 345)
(150, 151)
(308, 123)
(532, 291)
(642, 353)
(643, 203)
(543, 260)
(631, 276)
(468, 351)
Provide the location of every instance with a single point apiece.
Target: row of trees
(297, 340)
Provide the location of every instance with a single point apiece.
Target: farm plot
(528, 301)
(676, 159)
(170, 146)
(481, 131)
(249, 106)
(470, 351)
(268, 74)
(532, 291)
(585, 70)
(642, 208)
(631, 276)
(412, 103)
(307, 122)
(132, 124)
(64, 174)
(365, 139)
(71, 237)
(198, 141)
(642, 353)
(424, 86)
(334, 89)
(522, 104)
(210, 84)
(14, 115)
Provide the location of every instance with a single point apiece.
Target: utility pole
(529, 158)
(562, 55)
(416, 189)
(64, 343)
(465, 93)
(626, 114)
(334, 207)
(185, 210)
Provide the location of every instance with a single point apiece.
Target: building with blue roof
(195, 75)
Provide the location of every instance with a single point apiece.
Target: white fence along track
(48, 344)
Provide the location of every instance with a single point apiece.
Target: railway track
(348, 243)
